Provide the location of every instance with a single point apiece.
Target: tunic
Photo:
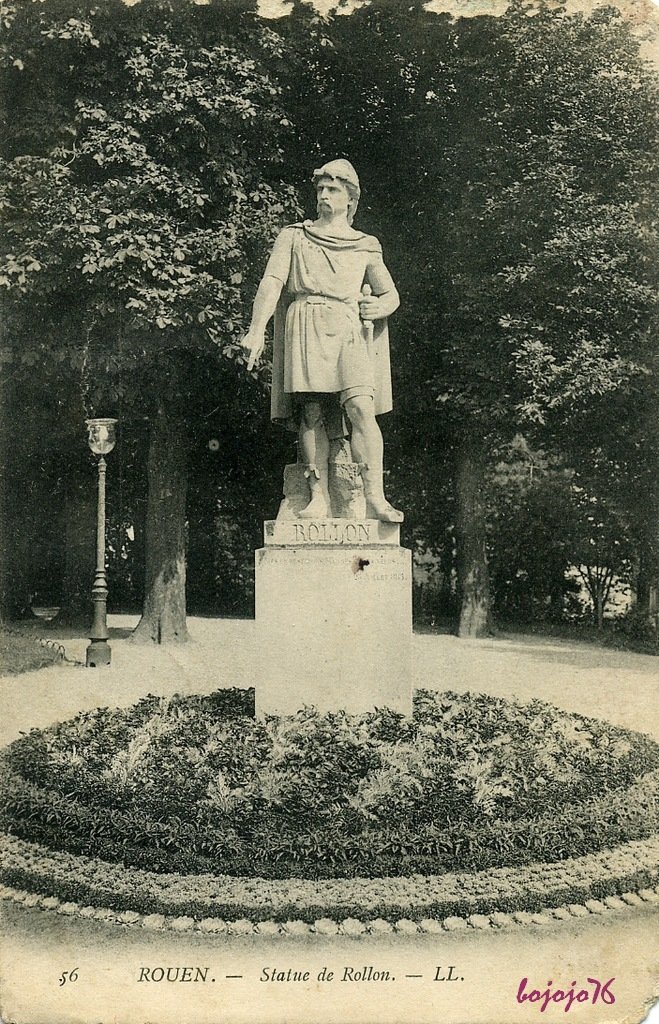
(321, 346)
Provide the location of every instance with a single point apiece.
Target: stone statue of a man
(330, 291)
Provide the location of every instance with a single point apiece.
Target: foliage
(551, 281)
(521, 164)
(192, 783)
(546, 518)
(21, 653)
(230, 492)
(601, 548)
(637, 628)
(529, 493)
(137, 198)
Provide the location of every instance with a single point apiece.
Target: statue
(330, 293)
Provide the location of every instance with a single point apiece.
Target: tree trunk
(473, 574)
(163, 614)
(599, 608)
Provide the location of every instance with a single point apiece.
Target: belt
(350, 306)
(324, 300)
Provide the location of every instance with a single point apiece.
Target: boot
(377, 506)
(320, 506)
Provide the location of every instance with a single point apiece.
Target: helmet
(344, 172)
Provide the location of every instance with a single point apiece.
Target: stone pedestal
(333, 617)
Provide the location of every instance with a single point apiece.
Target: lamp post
(101, 438)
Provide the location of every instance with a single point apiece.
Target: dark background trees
(509, 166)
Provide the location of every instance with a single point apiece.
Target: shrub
(196, 784)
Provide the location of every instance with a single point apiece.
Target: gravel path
(617, 685)
(38, 946)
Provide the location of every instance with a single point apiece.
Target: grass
(615, 634)
(20, 653)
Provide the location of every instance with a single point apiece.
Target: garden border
(539, 894)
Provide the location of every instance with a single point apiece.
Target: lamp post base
(99, 654)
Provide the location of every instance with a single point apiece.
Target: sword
(368, 324)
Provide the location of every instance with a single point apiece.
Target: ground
(616, 685)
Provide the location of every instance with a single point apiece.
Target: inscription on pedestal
(300, 532)
(331, 533)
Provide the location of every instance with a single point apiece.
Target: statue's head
(344, 173)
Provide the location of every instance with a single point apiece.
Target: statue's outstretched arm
(265, 303)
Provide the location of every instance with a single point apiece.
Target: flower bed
(195, 785)
(86, 882)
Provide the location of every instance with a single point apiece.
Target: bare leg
(368, 449)
(366, 441)
(314, 453)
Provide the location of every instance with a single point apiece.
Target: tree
(601, 552)
(549, 308)
(530, 543)
(137, 203)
